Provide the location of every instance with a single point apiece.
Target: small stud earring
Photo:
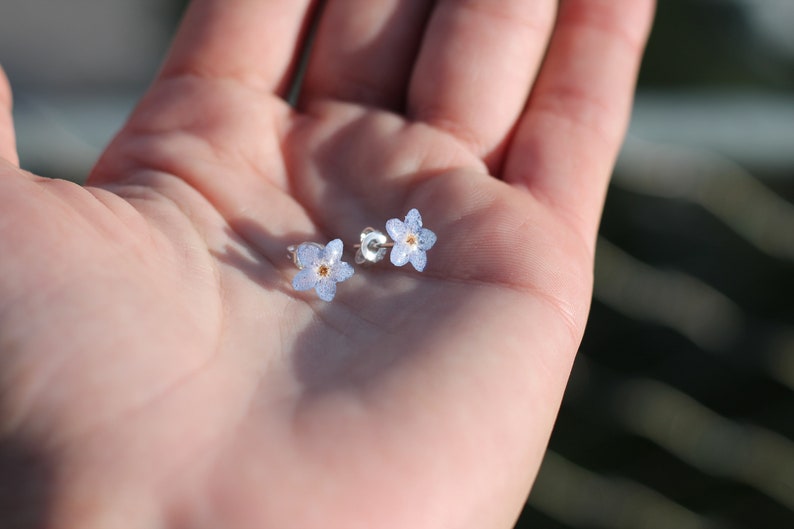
(320, 267)
(411, 242)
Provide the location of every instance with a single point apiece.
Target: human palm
(156, 361)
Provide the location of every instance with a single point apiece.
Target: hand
(158, 370)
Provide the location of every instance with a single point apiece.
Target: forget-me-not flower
(321, 268)
(411, 240)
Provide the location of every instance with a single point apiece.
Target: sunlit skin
(154, 358)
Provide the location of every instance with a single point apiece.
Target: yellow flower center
(324, 270)
(411, 239)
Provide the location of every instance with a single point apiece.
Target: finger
(476, 66)
(566, 144)
(252, 41)
(364, 51)
(8, 149)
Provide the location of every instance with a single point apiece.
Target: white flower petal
(305, 279)
(326, 289)
(400, 254)
(341, 272)
(413, 220)
(426, 239)
(333, 251)
(308, 255)
(419, 260)
(396, 229)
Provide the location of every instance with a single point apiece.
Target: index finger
(475, 69)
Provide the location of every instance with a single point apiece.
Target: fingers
(476, 66)
(252, 41)
(364, 51)
(567, 141)
(8, 149)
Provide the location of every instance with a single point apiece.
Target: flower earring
(320, 267)
(411, 242)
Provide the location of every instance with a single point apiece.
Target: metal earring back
(373, 246)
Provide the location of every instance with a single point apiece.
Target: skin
(157, 369)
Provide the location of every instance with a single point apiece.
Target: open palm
(158, 370)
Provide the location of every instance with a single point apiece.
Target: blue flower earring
(411, 242)
(321, 267)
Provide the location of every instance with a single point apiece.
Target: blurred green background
(680, 409)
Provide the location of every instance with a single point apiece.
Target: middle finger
(364, 51)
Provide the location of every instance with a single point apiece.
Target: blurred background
(680, 409)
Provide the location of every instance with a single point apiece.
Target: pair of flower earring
(321, 267)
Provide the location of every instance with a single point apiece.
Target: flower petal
(308, 255)
(400, 253)
(426, 239)
(305, 279)
(326, 289)
(413, 220)
(341, 272)
(396, 229)
(333, 251)
(419, 260)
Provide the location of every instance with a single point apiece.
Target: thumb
(8, 149)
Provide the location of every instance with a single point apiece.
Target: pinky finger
(8, 149)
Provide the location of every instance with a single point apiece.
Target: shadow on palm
(351, 168)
